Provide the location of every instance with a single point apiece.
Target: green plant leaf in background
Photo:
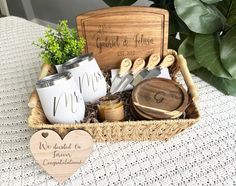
(206, 50)
(207, 37)
(224, 85)
(176, 24)
(210, 1)
(228, 51)
(187, 50)
(199, 17)
(228, 9)
(119, 2)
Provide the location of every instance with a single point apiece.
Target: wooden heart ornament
(61, 158)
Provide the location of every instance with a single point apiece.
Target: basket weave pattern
(127, 130)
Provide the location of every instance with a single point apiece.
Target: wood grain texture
(159, 98)
(167, 61)
(137, 66)
(153, 61)
(61, 158)
(125, 66)
(187, 78)
(118, 32)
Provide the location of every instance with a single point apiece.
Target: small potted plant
(60, 45)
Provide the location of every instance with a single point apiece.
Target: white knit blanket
(202, 155)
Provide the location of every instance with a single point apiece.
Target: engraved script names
(133, 40)
(68, 101)
(90, 80)
(60, 153)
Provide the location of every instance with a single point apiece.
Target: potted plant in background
(60, 45)
(206, 31)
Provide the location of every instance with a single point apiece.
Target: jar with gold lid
(111, 108)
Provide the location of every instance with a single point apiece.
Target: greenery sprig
(60, 45)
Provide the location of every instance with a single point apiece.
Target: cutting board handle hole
(44, 134)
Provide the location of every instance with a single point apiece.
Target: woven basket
(127, 130)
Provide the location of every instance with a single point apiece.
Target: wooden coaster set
(156, 103)
(159, 98)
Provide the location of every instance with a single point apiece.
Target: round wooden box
(159, 98)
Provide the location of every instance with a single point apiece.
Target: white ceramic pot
(88, 76)
(59, 68)
(61, 99)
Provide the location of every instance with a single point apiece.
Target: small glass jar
(111, 108)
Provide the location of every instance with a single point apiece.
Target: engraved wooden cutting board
(115, 33)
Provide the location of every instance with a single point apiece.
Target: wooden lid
(159, 98)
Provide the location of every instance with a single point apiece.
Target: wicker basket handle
(46, 70)
(187, 78)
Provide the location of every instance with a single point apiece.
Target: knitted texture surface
(202, 155)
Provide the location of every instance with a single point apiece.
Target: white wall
(51, 11)
(55, 10)
(15, 8)
(4, 8)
